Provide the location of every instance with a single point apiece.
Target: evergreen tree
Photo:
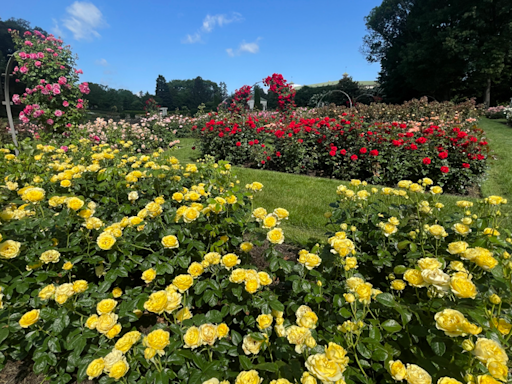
(163, 92)
(257, 97)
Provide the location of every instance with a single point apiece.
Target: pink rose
(37, 64)
(29, 43)
(23, 69)
(49, 122)
(58, 113)
(65, 103)
(64, 148)
(79, 106)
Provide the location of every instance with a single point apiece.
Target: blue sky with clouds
(127, 44)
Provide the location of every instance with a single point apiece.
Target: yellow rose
(310, 261)
(149, 275)
(208, 334)
(117, 292)
(75, 203)
(106, 241)
(65, 183)
(491, 232)
(349, 298)
(275, 236)
(281, 213)
(354, 282)
(106, 306)
(246, 247)
(170, 242)
(414, 278)
(415, 188)
(51, 256)
(307, 379)
(397, 370)
(336, 353)
(126, 342)
(67, 266)
(230, 260)
(222, 330)
(192, 338)
(364, 292)
(462, 287)
(437, 231)
(190, 215)
(238, 276)
(502, 326)
(436, 190)
(308, 320)
(29, 318)
(195, 269)
(157, 302)
(457, 247)
(398, 285)
(265, 278)
(269, 221)
(183, 314)
(114, 331)
(461, 229)
(33, 195)
(106, 322)
(248, 377)
(252, 285)
(437, 278)
(448, 380)
(388, 229)
(251, 346)
(183, 282)
(495, 200)
(498, 370)
(485, 261)
(213, 258)
(95, 368)
(92, 321)
(157, 340)
(417, 375)
(65, 289)
(213, 380)
(9, 249)
(119, 369)
(149, 353)
(297, 336)
(80, 286)
(486, 379)
(47, 292)
(451, 322)
(323, 368)
(429, 263)
(264, 321)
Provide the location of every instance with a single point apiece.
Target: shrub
(143, 274)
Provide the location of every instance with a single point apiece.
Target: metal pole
(334, 90)
(8, 102)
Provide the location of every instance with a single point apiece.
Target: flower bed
(134, 268)
(449, 150)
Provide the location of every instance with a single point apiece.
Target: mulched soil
(20, 372)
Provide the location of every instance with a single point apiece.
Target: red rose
(300, 141)
(256, 142)
(465, 165)
(251, 142)
(332, 153)
(443, 155)
(278, 154)
(221, 134)
(445, 169)
(363, 150)
(238, 144)
(262, 161)
(421, 140)
(426, 160)
(353, 157)
(262, 145)
(414, 147)
(374, 152)
(343, 152)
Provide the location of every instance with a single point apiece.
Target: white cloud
(245, 47)
(101, 62)
(56, 29)
(209, 24)
(83, 19)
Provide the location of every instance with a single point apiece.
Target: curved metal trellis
(365, 94)
(8, 102)
(334, 90)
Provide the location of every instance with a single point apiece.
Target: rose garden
(123, 262)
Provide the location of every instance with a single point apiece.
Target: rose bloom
(417, 375)
(248, 377)
(158, 340)
(50, 256)
(275, 236)
(183, 314)
(183, 282)
(195, 269)
(486, 350)
(462, 287)
(95, 368)
(192, 338)
(149, 275)
(246, 247)
(170, 242)
(451, 322)
(106, 306)
(119, 369)
(29, 318)
(127, 341)
(106, 241)
(324, 369)
(208, 334)
(297, 336)
(230, 260)
(47, 292)
(157, 302)
(9, 249)
(251, 346)
(397, 370)
(414, 278)
(80, 286)
(461, 229)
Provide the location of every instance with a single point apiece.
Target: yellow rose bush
(162, 286)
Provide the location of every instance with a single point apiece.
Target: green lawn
(308, 198)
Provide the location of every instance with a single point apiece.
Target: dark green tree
(257, 97)
(441, 48)
(163, 93)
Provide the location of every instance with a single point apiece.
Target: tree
(163, 92)
(257, 97)
(439, 48)
(223, 90)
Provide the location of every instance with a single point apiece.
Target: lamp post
(7, 102)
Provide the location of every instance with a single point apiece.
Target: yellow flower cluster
(63, 292)
(114, 364)
(363, 291)
(206, 334)
(413, 373)
(328, 367)
(454, 324)
(167, 300)
(253, 280)
(309, 260)
(106, 323)
(341, 245)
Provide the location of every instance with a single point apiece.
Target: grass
(308, 198)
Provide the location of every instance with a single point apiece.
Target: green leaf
(269, 367)
(4, 332)
(236, 338)
(386, 299)
(391, 325)
(438, 346)
(276, 305)
(245, 363)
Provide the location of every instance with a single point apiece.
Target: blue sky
(127, 44)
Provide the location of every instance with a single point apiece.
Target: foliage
(495, 112)
(104, 98)
(285, 92)
(444, 50)
(52, 99)
(146, 276)
(163, 92)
